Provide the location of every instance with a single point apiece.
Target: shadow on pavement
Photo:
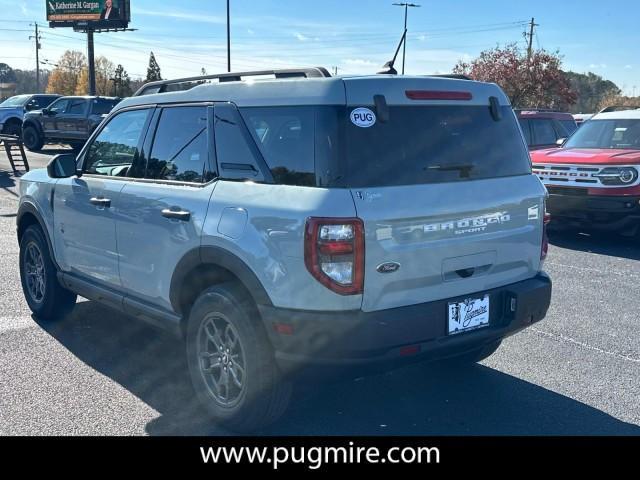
(416, 400)
(601, 243)
(8, 182)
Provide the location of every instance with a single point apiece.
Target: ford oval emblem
(388, 267)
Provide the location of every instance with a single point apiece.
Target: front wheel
(32, 139)
(46, 298)
(231, 361)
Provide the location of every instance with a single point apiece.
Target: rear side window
(102, 106)
(238, 157)
(429, 144)
(285, 136)
(543, 132)
(116, 146)
(180, 147)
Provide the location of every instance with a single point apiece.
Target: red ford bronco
(593, 178)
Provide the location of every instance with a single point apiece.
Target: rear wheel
(32, 139)
(231, 361)
(46, 298)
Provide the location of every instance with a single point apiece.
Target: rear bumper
(605, 212)
(390, 337)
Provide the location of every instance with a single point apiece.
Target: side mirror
(62, 166)
(560, 141)
(29, 106)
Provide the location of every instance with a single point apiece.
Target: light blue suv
(287, 220)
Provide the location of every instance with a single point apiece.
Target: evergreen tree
(153, 70)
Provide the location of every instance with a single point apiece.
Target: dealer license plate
(469, 314)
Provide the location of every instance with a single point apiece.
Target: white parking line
(596, 270)
(563, 338)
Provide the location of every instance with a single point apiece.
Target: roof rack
(617, 108)
(180, 84)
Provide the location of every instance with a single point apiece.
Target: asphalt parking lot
(576, 372)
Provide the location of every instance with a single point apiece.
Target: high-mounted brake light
(437, 95)
(334, 253)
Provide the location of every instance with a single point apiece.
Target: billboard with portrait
(98, 14)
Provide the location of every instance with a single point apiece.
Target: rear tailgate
(441, 177)
(446, 241)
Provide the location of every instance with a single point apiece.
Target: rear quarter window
(285, 137)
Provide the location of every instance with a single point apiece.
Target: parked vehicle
(293, 223)
(13, 109)
(68, 120)
(593, 179)
(545, 128)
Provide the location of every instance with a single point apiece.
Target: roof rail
(180, 84)
(617, 108)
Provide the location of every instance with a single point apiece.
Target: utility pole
(37, 38)
(404, 44)
(529, 35)
(228, 39)
(91, 61)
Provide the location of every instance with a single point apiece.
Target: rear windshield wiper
(463, 168)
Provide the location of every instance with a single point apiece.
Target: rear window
(431, 144)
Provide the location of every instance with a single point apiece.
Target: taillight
(334, 253)
(545, 239)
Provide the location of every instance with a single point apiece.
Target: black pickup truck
(68, 120)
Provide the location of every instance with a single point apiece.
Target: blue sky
(356, 36)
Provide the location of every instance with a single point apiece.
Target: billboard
(96, 14)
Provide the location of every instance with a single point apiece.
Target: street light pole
(228, 39)
(404, 45)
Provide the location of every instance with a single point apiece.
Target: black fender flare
(30, 208)
(35, 124)
(219, 257)
(12, 119)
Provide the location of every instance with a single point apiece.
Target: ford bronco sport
(593, 179)
(293, 222)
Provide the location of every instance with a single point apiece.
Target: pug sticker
(363, 117)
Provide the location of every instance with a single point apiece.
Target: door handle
(100, 202)
(176, 214)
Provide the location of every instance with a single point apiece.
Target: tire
(475, 356)
(224, 317)
(32, 139)
(13, 127)
(46, 298)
